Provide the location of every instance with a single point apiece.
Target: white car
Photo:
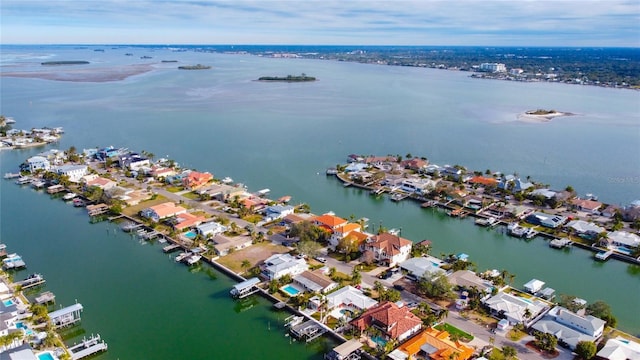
(321, 259)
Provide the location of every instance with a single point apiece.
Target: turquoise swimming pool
(190, 235)
(46, 356)
(8, 302)
(292, 291)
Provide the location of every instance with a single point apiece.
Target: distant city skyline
(465, 23)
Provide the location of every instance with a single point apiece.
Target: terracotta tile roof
(195, 179)
(167, 209)
(438, 340)
(483, 180)
(187, 220)
(348, 227)
(586, 204)
(398, 320)
(391, 244)
(330, 220)
(358, 237)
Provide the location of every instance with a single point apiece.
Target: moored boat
(69, 196)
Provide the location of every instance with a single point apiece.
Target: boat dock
(399, 196)
(487, 222)
(45, 297)
(54, 189)
(170, 248)
(87, 347)
(11, 175)
(23, 180)
(66, 317)
(308, 330)
(31, 281)
(603, 255)
(293, 320)
(13, 261)
(130, 226)
(99, 209)
(245, 288)
(559, 243)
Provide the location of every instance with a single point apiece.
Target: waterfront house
(388, 249)
(162, 211)
(159, 172)
(623, 238)
(315, 281)
(210, 229)
(36, 163)
(279, 265)
(467, 279)
(345, 351)
(342, 232)
(546, 193)
(132, 197)
(379, 160)
(415, 164)
(223, 245)
(355, 167)
(590, 206)
(54, 156)
(73, 172)
(187, 220)
(619, 349)
(511, 183)
(133, 161)
(547, 220)
(329, 222)
(97, 181)
(631, 213)
(484, 181)
(275, 212)
(435, 344)
(513, 308)
(349, 298)
(418, 186)
(585, 228)
(223, 192)
(395, 322)
(196, 179)
(423, 266)
(569, 327)
(610, 211)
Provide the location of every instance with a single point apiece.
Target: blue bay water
(282, 136)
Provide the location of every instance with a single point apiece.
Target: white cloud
(466, 22)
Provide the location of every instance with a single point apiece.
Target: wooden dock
(170, 248)
(99, 209)
(308, 330)
(88, 347)
(45, 298)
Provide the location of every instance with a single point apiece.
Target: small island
(71, 62)
(542, 115)
(194, 67)
(169, 61)
(288, 78)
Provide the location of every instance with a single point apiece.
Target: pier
(13, 261)
(66, 317)
(559, 243)
(399, 196)
(170, 248)
(88, 347)
(309, 330)
(245, 288)
(31, 281)
(45, 298)
(99, 209)
(603, 255)
(54, 189)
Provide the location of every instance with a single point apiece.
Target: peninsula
(288, 78)
(194, 67)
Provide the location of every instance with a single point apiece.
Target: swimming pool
(379, 340)
(8, 302)
(46, 356)
(292, 291)
(190, 235)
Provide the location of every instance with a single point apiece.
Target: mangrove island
(288, 78)
(194, 67)
(68, 62)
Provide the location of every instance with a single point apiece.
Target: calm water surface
(282, 136)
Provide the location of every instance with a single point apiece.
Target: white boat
(227, 180)
(11, 175)
(182, 256)
(193, 259)
(69, 196)
(23, 180)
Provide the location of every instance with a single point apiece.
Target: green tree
(435, 286)
(545, 341)
(602, 310)
(356, 277)
(509, 351)
(586, 350)
(309, 248)
(307, 231)
(245, 264)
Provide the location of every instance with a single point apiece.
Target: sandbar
(84, 75)
(537, 118)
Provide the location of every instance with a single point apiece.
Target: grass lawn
(255, 254)
(254, 218)
(191, 196)
(454, 330)
(515, 334)
(134, 210)
(174, 189)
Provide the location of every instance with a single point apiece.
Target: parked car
(398, 287)
(321, 259)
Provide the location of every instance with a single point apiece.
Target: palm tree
(378, 287)
(245, 264)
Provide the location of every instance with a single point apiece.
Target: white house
(623, 238)
(514, 308)
(38, 163)
(74, 172)
(349, 297)
(315, 281)
(533, 286)
(569, 327)
(619, 349)
(279, 265)
(388, 249)
(585, 227)
(210, 228)
(418, 185)
(422, 266)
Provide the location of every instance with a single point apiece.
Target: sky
(600, 23)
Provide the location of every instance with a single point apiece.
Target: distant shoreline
(85, 75)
